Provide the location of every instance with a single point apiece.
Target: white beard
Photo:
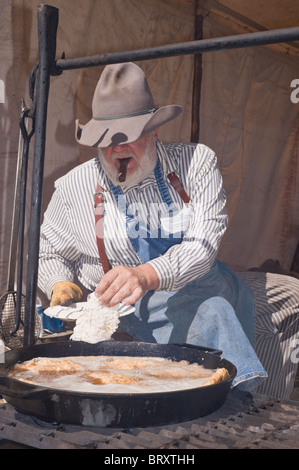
(145, 166)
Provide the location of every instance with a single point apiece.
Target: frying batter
(116, 374)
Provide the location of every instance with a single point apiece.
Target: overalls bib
(146, 246)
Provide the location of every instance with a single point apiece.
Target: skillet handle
(216, 352)
(33, 392)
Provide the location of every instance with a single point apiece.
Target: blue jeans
(180, 317)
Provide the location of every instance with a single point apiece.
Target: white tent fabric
(246, 113)
(248, 117)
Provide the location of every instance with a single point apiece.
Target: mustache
(123, 154)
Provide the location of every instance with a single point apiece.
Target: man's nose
(120, 148)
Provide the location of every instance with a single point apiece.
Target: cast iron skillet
(114, 410)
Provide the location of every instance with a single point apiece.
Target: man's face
(141, 156)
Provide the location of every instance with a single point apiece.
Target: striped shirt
(68, 245)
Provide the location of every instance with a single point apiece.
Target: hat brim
(112, 132)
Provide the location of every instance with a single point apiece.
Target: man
(142, 224)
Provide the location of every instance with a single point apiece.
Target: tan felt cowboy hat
(123, 108)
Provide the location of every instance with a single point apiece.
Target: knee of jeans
(217, 306)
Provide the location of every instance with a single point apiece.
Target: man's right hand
(65, 293)
(126, 284)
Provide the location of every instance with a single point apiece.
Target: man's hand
(65, 293)
(126, 284)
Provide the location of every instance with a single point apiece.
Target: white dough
(96, 322)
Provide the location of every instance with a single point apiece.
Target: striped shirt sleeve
(57, 246)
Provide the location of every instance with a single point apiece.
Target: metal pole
(47, 18)
(193, 47)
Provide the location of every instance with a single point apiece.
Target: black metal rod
(20, 256)
(193, 47)
(47, 18)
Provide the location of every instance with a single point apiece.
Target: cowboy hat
(123, 108)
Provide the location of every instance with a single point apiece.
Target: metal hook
(23, 121)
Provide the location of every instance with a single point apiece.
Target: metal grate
(245, 421)
(12, 330)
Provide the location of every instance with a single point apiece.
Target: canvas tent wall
(246, 112)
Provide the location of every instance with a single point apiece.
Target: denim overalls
(216, 310)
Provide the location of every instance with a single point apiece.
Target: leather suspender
(175, 182)
(99, 213)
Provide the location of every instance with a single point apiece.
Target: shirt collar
(168, 162)
(103, 179)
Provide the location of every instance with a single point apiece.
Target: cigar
(123, 165)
